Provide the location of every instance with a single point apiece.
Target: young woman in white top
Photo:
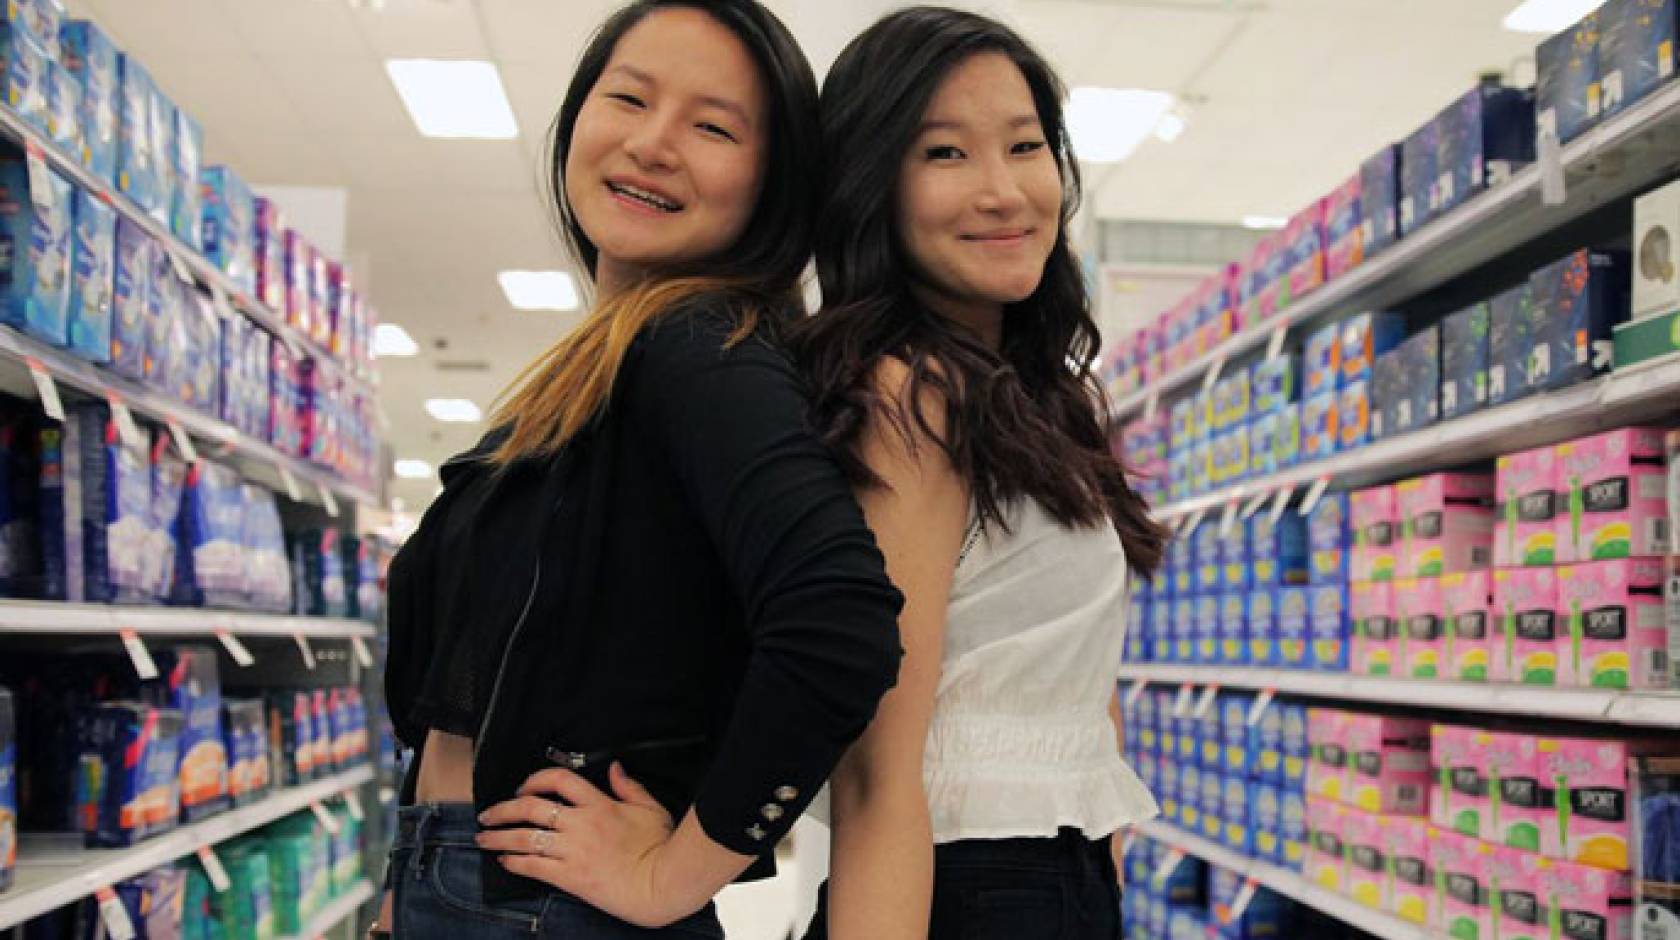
(951, 371)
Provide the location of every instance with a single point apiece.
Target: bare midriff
(446, 769)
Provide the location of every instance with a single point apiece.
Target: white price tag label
(1212, 377)
(1554, 187)
(1239, 904)
(1195, 520)
(328, 820)
(1262, 702)
(132, 437)
(290, 483)
(1181, 705)
(1151, 405)
(363, 654)
(40, 178)
(1169, 864)
(1136, 692)
(235, 648)
(353, 803)
(1310, 501)
(213, 869)
(47, 389)
(183, 441)
(182, 272)
(1280, 502)
(1274, 346)
(1228, 520)
(1254, 505)
(305, 650)
(118, 925)
(1205, 703)
(144, 667)
(328, 500)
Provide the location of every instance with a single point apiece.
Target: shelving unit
(54, 618)
(341, 909)
(48, 879)
(1617, 159)
(1289, 884)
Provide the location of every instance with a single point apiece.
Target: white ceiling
(1284, 98)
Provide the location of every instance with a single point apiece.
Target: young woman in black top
(650, 569)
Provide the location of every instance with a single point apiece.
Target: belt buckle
(571, 760)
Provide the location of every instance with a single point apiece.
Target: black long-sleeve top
(689, 587)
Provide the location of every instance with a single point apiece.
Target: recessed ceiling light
(539, 290)
(1548, 16)
(1107, 124)
(454, 410)
(1170, 127)
(1264, 223)
(411, 470)
(391, 341)
(454, 98)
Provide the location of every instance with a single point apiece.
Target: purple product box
(1566, 81)
(1576, 301)
(1636, 50)
(1485, 136)
(1419, 176)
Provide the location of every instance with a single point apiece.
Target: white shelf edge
(1289, 884)
(60, 618)
(1649, 389)
(13, 125)
(1346, 291)
(32, 896)
(341, 909)
(1655, 709)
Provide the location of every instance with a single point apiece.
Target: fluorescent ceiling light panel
(539, 290)
(1264, 223)
(453, 410)
(1107, 124)
(391, 341)
(411, 470)
(1548, 16)
(454, 98)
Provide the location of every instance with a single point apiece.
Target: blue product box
(1262, 627)
(1509, 345)
(35, 243)
(1388, 390)
(1233, 628)
(1234, 556)
(131, 298)
(1207, 629)
(1295, 748)
(230, 225)
(1166, 730)
(1464, 361)
(1419, 176)
(1276, 383)
(190, 683)
(1181, 424)
(137, 162)
(1210, 740)
(1416, 401)
(1486, 136)
(1279, 548)
(1209, 577)
(1294, 836)
(1329, 646)
(93, 262)
(1212, 804)
(1201, 467)
(125, 787)
(165, 337)
(1328, 539)
(1319, 426)
(41, 19)
(1178, 476)
(91, 57)
(1353, 415)
(169, 482)
(1233, 733)
(186, 217)
(1292, 628)
(1161, 631)
(1379, 199)
(28, 75)
(1185, 734)
(201, 383)
(1636, 50)
(1181, 562)
(1190, 796)
(115, 509)
(64, 109)
(1185, 923)
(1363, 338)
(1321, 362)
(1286, 448)
(1265, 801)
(1265, 744)
(1576, 301)
(1138, 623)
(161, 124)
(1262, 432)
(1184, 630)
(1186, 885)
(209, 563)
(1566, 81)
(1143, 724)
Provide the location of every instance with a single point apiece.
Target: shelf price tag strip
(305, 650)
(328, 820)
(1310, 501)
(118, 926)
(132, 437)
(141, 657)
(183, 441)
(235, 648)
(46, 388)
(1205, 702)
(1280, 502)
(363, 654)
(213, 868)
(1261, 703)
(40, 178)
(353, 803)
(1239, 904)
(290, 483)
(328, 500)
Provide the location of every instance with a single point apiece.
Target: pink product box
(1363, 840)
(1375, 628)
(1303, 243)
(1588, 902)
(1344, 243)
(1408, 842)
(1326, 858)
(1327, 737)
(1616, 635)
(1523, 533)
(1518, 803)
(1463, 866)
(1612, 499)
(320, 325)
(1230, 288)
(1458, 801)
(339, 290)
(1375, 516)
(1526, 642)
(1515, 879)
(1447, 523)
(270, 252)
(1422, 620)
(299, 314)
(1467, 605)
(1388, 761)
(1589, 822)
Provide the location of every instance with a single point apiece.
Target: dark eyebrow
(1015, 124)
(712, 101)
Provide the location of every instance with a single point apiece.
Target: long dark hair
(756, 278)
(1026, 421)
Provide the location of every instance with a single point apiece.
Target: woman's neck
(613, 276)
(982, 318)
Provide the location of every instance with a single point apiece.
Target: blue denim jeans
(1062, 888)
(435, 873)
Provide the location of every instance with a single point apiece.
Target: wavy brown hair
(756, 279)
(1027, 420)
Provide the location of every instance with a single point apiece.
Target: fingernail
(481, 817)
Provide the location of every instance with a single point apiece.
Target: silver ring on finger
(539, 841)
(553, 818)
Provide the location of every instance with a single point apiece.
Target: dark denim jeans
(435, 869)
(1063, 888)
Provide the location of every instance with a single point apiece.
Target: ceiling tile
(423, 29)
(422, 166)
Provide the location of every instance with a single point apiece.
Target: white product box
(1656, 252)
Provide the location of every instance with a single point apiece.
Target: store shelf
(55, 618)
(1653, 709)
(48, 879)
(1289, 884)
(1633, 150)
(13, 127)
(341, 909)
(1644, 393)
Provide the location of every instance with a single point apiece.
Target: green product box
(1640, 341)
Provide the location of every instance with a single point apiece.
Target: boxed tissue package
(1567, 81)
(1379, 198)
(1636, 50)
(1575, 300)
(1509, 345)
(1486, 136)
(1464, 361)
(1419, 170)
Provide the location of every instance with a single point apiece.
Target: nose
(1000, 192)
(649, 144)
